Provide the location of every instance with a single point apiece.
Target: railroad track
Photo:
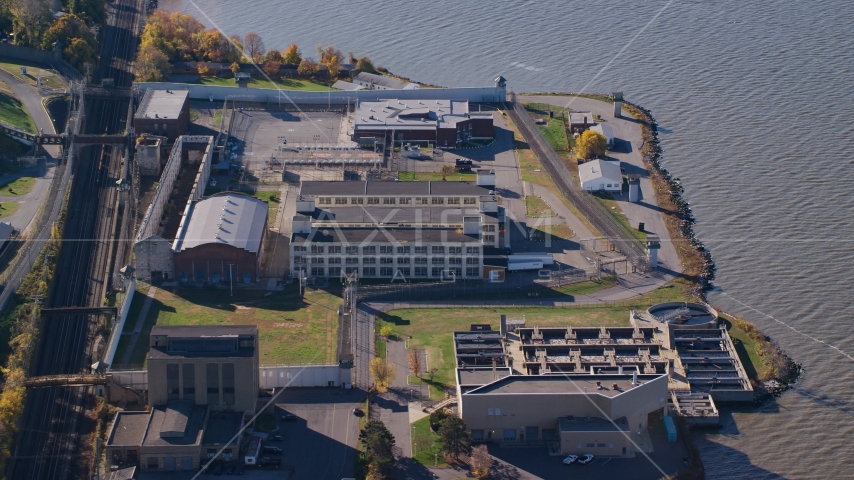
(55, 418)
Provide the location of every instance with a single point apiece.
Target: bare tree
(480, 462)
(253, 46)
(414, 361)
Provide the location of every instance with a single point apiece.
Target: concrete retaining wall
(119, 324)
(304, 376)
(334, 97)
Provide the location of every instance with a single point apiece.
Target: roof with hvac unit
(381, 80)
(229, 219)
(590, 171)
(162, 104)
(413, 114)
(385, 188)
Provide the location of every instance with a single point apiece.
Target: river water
(755, 102)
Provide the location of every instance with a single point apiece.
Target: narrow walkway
(140, 322)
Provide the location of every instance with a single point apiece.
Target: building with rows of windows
(382, 229)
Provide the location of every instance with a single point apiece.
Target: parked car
(271, 450)
(276, 438)
(587, 458)
(357, 411)
(289, 417)
(239, 470)
(570, 459)
(229, 470)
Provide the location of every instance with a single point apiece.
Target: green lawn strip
(431, 329)
(19, 186)
(536, 207)
(426, 445)
(436, 176)
(217, 118)
(282, 84)
(130, 323)
(559, 231)
(272, 199)
(555, 134)
(611, 205)
(13, 66)
(8, 208)
(745, 347)
(381, 348)
(292, 330)
(194, 115)
(13, 112)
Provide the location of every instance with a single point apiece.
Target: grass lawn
(426, 444)
(17, 187)
(538, 208)
(13, 112)
(194, 115)
(8, 208)
(431, 328)
(746, 348)
(272, 199)
(282, 83)
(531, 170)
(436, 176)
(555, 134)
(217, 118)
(292, 330)
(49, 79)
(559, 231)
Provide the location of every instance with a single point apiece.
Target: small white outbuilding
(606, 131)
(599, 175)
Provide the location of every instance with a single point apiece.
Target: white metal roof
(231, 219)
(599, 169)
(162, 103)
(345, 85)
(605, 130)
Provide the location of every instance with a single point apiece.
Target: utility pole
(231, 278)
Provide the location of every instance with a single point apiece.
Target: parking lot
(319, 445)
(535, 463)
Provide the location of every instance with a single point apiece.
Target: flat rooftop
(222, 427)
(162, 104)
(405, 215)
(562, 384)
(384, 235)
(179, 423)
(592, 424)
(203, 331)
(480, 376)
(128, 429)
(390, 188)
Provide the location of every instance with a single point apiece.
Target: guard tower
(653, 244)
(500, 81)
(634, 187)
(618, 104)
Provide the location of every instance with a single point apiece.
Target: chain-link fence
(601, 219)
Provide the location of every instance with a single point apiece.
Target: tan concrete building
(215, 365)
(585, 413)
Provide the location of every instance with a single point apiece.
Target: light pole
(231, 279)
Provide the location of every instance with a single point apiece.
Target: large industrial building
(163, 112)
(221, 238)
(202, 385)
(444, 123)
(387, 229)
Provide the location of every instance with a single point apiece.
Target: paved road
(30, 203)
(628, 131)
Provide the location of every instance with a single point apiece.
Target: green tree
(437, 417)
(30, 18)
(64, 29)
(454, 437)
(292, 55)
(273, 54)
(590, 145)
(385, 331)
(308, 68)
(364, 64)
(92, 11)
(79, 52)
(378, 443)
(151, 64)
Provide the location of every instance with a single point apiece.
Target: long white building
(380, 229)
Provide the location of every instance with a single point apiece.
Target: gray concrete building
(380, 229)
(213, 365)
(163, 112)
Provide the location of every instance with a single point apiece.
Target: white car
(570, 459)
(587, 458)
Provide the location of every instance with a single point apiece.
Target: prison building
(386, 229)
(583, 413)
(618, 350)
(221, 239)
(216, 366)
(163, 112)
(443, 122)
